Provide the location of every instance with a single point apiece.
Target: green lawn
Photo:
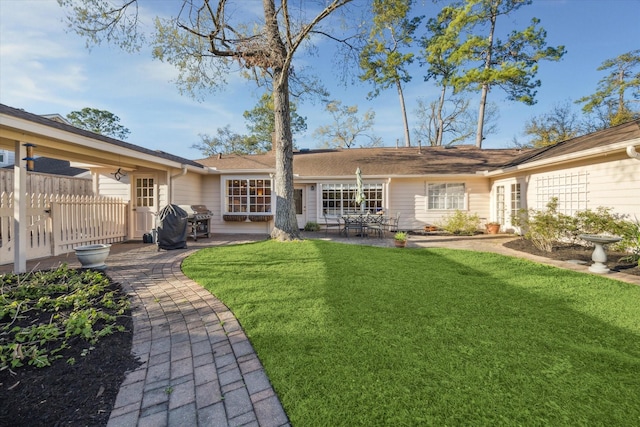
(366, 336)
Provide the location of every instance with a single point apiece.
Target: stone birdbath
(599, 256)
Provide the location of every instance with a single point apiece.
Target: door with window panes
(508, 202)
(145, 204)
(300, 203)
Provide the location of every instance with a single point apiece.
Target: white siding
(409, 197)
(110, 187)
(187, 190)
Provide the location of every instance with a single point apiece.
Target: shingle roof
(56, 167)
(375, 161)
(613, 135)
(10, 111)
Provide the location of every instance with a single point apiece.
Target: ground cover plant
(363, 336)
(65, 344)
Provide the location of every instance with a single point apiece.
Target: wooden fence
(58, 223)
(42, 183)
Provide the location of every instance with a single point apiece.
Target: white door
(145, 204)
(300, 201)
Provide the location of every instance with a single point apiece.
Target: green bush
(631, 240)
(547, 228)
(461, 223)
(311, 226)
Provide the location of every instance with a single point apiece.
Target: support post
(20, 209)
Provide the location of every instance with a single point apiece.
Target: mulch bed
(576, 252)
(83, 394)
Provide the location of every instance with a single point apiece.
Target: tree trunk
(407, 140)
(285, 223)
(439, 120)
(483, 103)
(487, 67)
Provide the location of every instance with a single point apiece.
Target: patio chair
(393, 222)
(331, 223)
(354, 223)
(375, 225)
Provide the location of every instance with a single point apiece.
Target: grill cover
(172, 227)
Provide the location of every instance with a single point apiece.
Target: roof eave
(578, 155)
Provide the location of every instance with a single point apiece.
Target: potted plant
(400, 239)
(492, 227)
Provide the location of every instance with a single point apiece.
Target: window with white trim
(446, 196)
(340, 199)
(500, 204)
(248, 195)
(571, 190)
(516, 200)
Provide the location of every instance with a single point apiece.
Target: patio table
(362, 223)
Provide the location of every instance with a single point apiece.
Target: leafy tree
(98, 121)
(381, 59)
(225, 141)
(347, 127)
(610, 103)
(261, 127)
(205, 41)
(261, 123)
(438, 46)
(548, 129)
(510, 64)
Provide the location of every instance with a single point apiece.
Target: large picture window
(340, 199)
(446, 196)
(248, 196)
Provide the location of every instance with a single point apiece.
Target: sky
(45, 69)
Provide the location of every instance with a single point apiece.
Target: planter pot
(493, 228)
(93, 256)
(400, 243)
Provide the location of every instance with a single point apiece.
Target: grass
(365, 336)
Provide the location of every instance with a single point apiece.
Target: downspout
(183, 172)
(631, 152)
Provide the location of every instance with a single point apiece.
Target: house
(424, 184)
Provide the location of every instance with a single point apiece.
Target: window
(500, 205)
(145, 195)
(516, 200)
(446, 196)
(340, 199)
(248, 195)
(570, 189)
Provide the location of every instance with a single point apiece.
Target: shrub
(461, 223)
(631, 240)
(311, 226)
(546, 227)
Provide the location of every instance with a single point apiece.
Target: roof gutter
(631, 152)
(594, 152)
